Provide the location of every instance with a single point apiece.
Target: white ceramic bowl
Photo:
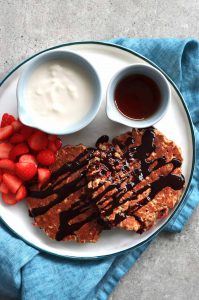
(67, 56)
(115, 115)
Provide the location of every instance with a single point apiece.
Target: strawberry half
(6, 132)
(7, 120)
(52, 146)
(58, 143)
(46, 157)
(17, 138)
(12, 182)
(55, 145)
(5, 149)
(26, 171)
(7, 164)
(16, 125)
(3, 188)
(52, 137)
(38, 141)
(28, 158)
(9, 198)
(26, 131)
(18, 150)
(21, 193)
(43, 175)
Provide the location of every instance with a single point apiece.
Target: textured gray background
(169, 269)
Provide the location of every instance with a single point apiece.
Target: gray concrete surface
(170, 268)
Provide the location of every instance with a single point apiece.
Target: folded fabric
(26, 273)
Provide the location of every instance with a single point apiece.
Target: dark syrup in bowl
(137, 97)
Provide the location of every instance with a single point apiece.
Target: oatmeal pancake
(136, 179)
(62, 208)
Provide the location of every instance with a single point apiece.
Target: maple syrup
(137, 97)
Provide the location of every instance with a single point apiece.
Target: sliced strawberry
(28, 158)
(26, 131)
(43, 175)
(8, 172)
(52, 138)
(17, 150)
(5, 132)
(26, 171)
(46, 157)
(58, 143)
(0, 177)
(21, 193)
(9, 198)
(17, 138)
(38, 141)
(5, 149)
(52, 146)
(16, 125)
(3, 188)
(55, 145)
(4, 120)
(7, 120)
(12, 182)
(7, 164)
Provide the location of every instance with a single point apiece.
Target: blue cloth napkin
(26, 273)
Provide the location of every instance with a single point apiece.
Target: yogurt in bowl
(59, 92)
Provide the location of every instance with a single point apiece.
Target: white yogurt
(58, 94)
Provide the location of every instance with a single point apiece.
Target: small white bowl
(67, 56)
(111, 108)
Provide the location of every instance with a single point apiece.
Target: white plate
(176, 125)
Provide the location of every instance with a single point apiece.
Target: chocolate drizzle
(102, 139)
(76, 209)
(62, 191)
(140, 153)
(74, 165)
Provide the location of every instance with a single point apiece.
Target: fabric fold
(14, 255)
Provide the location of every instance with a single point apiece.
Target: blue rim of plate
(179, 206)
